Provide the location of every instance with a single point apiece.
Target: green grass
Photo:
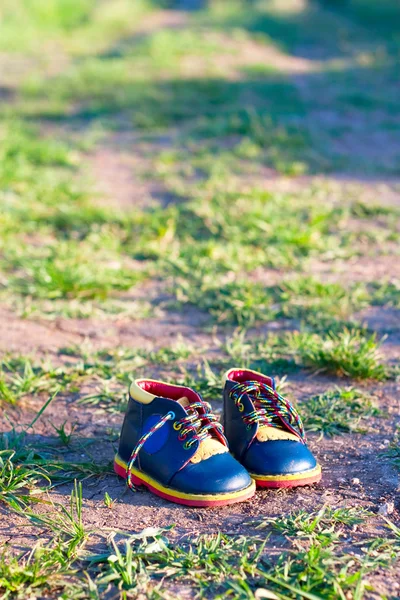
(386, 294)
(198, 244)
(66, 271)
(79, 257)
(108, 372)
(338, 411)
(148, 563)
(243, 302)
(28, 472)
(35, 572)
(318, 303)
(80, 26)
(47, 567)
(348, 354)
(18, 480)
(325, 527)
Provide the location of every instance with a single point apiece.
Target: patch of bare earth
(43, 336)
(376, 268)
(116, 168)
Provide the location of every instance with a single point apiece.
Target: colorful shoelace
(199, 420)
(270, 408)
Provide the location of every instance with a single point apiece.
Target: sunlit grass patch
(37, 174)
(41, 183)
(56, 244)
(22, 148)
(21, 376)
(386, 293)
(69, 270)
(223, 565)
(110, 308)
(240, 566)
(265, 136)
(364, 210)
(348, 353)
(18, 480)
(221, 234)
(338, 411)
(243, 302)
(305, 297)
(39, 570)
(326, 526)
(29, 471)
(47, 567)
(79, 25)
(107, 372)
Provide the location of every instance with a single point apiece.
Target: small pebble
(355, 481)
(386, 509)
(341, 480)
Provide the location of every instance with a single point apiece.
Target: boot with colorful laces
(265, 432)
(174, 445)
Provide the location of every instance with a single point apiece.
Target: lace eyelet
(177, 426)
(182, 437)
(186, 446)
(248, 427)
(240, 407)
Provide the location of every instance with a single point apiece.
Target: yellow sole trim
(295, 476)
(183, 495)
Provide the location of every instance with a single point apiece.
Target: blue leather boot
(174, 445)
(265, 432)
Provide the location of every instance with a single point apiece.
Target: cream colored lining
(139, 393)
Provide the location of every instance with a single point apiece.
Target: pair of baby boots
(173, 444)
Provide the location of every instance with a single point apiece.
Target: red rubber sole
(286, 483)
(187, 499)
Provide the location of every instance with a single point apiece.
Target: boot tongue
(266, 433)
(208, 447)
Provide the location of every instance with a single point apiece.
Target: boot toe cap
(283, 457)
(218, 474)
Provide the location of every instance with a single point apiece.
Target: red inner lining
(165, 390)
(242, 375)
